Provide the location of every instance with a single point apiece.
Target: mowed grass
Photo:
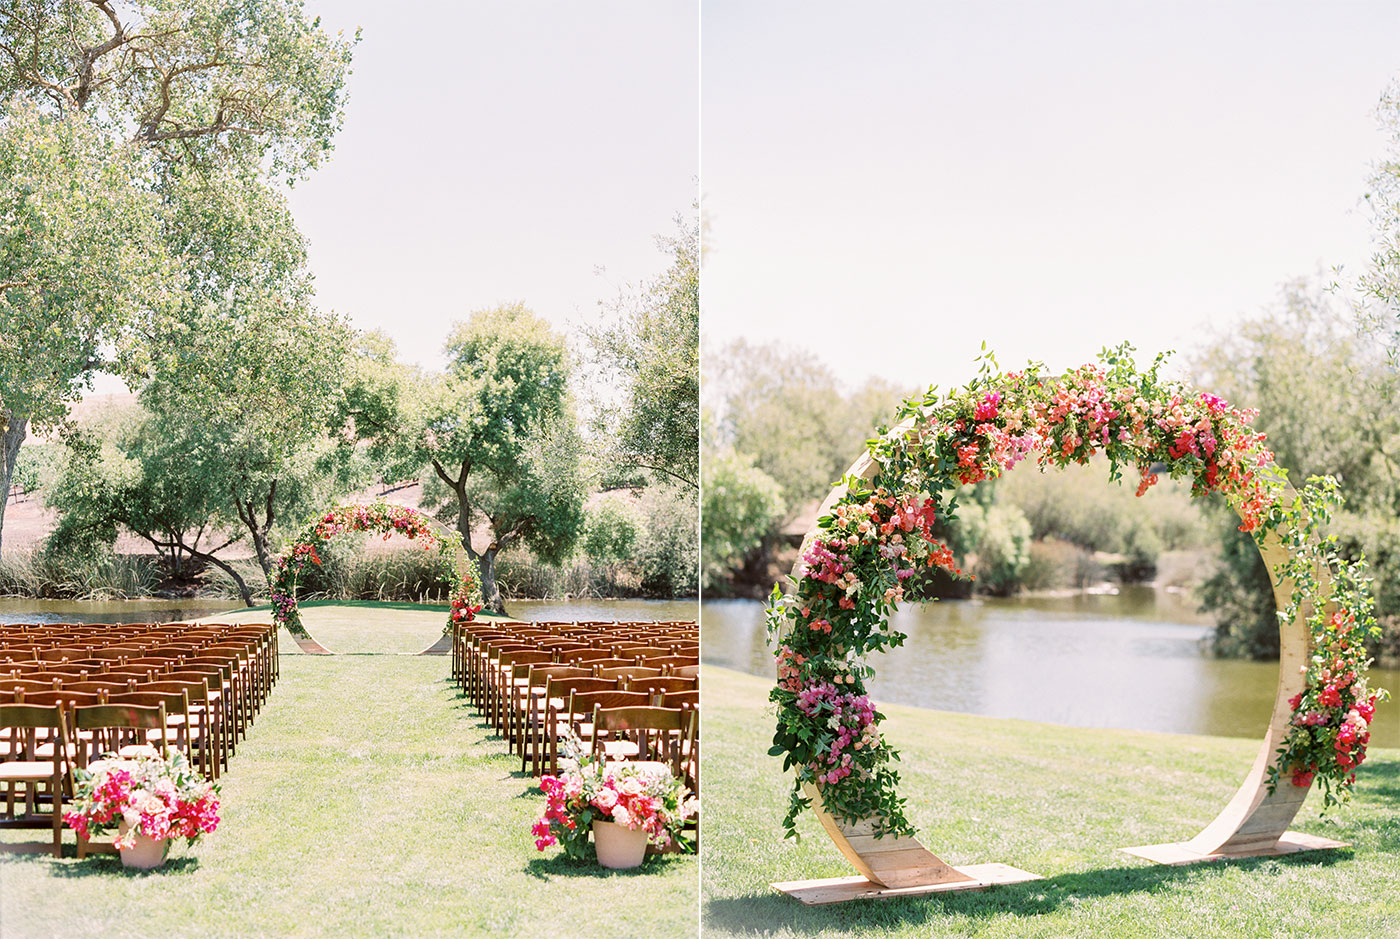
(357, 627)
(368, 800)
(1055, 801)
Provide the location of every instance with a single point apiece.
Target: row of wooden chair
(632, 696)
(677, 637)
(215, 680)
(42, 745)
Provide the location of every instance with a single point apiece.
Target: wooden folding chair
(22, 766)
(628, 673)
(646, 733)
(559, 720)
(528, 723)
(110, 727)
(661, 684)
(582, 704)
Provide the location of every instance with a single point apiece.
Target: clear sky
(500, 151)
(890, 184)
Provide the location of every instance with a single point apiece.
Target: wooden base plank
(845, 889)
(1290, 842)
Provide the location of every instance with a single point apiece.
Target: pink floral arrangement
(153, 795)
(637, 796)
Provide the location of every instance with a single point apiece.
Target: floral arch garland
(875, 530)
(304, 550)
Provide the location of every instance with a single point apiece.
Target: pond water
(1136, 659)
(109, 611)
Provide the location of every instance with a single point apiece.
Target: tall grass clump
(37, 574)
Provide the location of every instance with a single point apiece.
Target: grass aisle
(1056, 801)
(368, 800)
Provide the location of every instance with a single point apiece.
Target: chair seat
(26, 770)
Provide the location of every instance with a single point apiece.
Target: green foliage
(652, 342)
(37, 466)
(610, 531)
(740, 504)
(786, 411)
(96, 575)
(194, 80)
(1327, 399)
(133, 140)
(1240, 596)
(83, 267)
(668, 546)
(999, 537)
(1076, 505)
(495, 436)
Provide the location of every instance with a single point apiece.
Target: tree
(499, 434)
(83, 269)
(196, 81)
(740, 504)
(105, 107)
(145, 478)
(787, 411)
(652, 343)
(266, 386)
(1327, 400)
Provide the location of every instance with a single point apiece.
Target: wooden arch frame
(468, 580)
(1254, 822)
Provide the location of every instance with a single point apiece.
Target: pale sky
(888, 185)
(494, 152)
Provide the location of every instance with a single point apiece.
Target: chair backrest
(661, 733)
(562, 686)
(22, 721)
(678, 699)
(664, 683)
(540, 675)
(629, 672)
(672, 661)
(100, 686)
(116, 725)
(583, 703)
(63, 697)
(630, 650)
(530, 657)
(587, 655)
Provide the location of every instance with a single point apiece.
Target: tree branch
(661, 469)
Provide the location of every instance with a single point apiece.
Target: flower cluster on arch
(305, 549)
(880, 531)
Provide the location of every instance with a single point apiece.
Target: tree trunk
(16, 428)
(490, 593)
(228, 569)
(485, 561)
(261, 549)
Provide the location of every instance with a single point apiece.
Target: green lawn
(1056, 801)
(368, 800)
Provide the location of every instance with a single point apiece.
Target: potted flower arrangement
(148, 798)
(624, 805)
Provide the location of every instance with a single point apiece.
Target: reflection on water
(660, 610)
(109, 611)
(1133, 660)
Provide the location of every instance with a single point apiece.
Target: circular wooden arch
(1253, 822)
(467, 579)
